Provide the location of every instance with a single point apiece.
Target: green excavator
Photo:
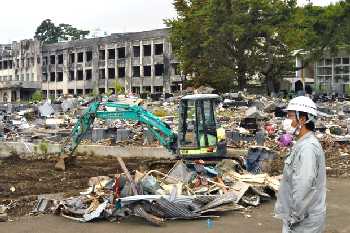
(197, 137)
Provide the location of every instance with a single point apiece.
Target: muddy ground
(29, 178)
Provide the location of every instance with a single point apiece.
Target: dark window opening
(159, 69)
(71, 91)
(136, 50)
(59, 76)
(89, 56)
(102, 54)
(121, 52)
(80, 75)
(147, 71)
(88, 74)
(88, 91)
(147, 50)
(60, 59)
(136, 71)
(59, 92)
(80, 57)
(79, 91)
(101, 90)
(136, 90)
(111, 53)
(71, 75)
(52, 59)
(121, 72)
(5, 65)
(146, 89)
(158, 49)
(52, 93)
(158, 89)
(52, 77)
(44, 78)
(71, 57)
(101, 74)
(111, 73)
(10, 64)
(177, 70)
(44, 93)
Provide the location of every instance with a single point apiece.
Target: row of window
(9, 64)
(111, 54)
(111, 73)
(336, 79)
(336, 61)
(27, 77)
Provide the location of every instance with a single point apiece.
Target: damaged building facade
(141, 62)
(20, 70)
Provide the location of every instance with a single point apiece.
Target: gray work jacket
(302, 191)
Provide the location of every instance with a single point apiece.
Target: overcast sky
(19, 18)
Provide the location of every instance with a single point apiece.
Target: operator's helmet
(303, 104)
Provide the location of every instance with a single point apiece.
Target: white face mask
(287, 126)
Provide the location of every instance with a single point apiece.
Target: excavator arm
(110, 110)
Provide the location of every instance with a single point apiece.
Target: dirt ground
(260, 220)
(30, 178)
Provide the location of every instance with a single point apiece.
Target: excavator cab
(198, 129)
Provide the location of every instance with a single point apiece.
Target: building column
(18, 94)
(152, 67)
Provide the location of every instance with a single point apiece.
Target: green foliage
(226, 43)
(44, 147)
(48, 32)
(37, 96)
(119, 89)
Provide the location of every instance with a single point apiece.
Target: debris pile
(186, 192)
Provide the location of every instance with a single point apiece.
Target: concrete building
(20, 70)
(332, 73)
(141, 62)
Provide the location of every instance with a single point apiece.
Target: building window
(147, 71)
(176, 67)
(71, 91)
(136, 51)
(52, 60)
(121, 72)
(158, 49)
(44, 93)
(80, 57)
(101, 74)
(111, 73)
(72, 58)
(121, 52)
(111, 53)
(52, 77)
(102, 54)
(159, 70)
(59, 93)
(71, 75)
(89, 56)
(80, 75)
(147, 89)
(345, 60)
(147, 50)
(60, 59)
(136, 71)
(158, 89)
(79, 91)
(88, 74)
(101, 90)
(88, 91)
(136, 90)
(59, 76)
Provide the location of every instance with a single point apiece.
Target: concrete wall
(28, 149)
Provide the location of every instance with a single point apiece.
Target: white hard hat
(303, 104)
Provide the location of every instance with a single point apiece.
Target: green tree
(48, 32)
(37, 96)
(225, 43)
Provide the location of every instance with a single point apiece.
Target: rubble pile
(185, 192)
